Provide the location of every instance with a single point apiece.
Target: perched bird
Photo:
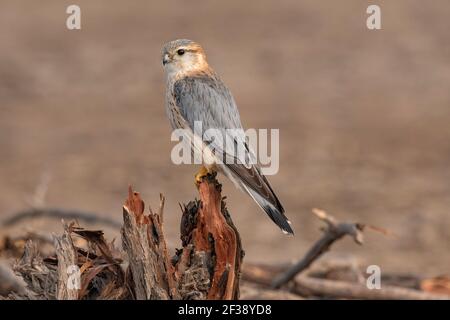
(195, 93)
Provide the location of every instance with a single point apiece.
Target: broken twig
(333, 231)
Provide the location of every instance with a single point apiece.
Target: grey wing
(206, 99)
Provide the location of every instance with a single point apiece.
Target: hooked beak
(166, 59)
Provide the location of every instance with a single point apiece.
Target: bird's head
(183, 56)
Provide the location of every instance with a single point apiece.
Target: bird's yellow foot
(202, 173)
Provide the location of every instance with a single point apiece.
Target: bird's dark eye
(180, 52)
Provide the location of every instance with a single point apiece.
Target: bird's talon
(202, 173)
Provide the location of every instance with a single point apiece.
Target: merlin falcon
(195, 94)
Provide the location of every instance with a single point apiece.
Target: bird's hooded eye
(180, 52)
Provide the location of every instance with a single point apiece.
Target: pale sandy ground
(363, 115)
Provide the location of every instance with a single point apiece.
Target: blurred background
(364, 116)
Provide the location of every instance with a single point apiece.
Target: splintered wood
(208, 264)
(89, 270)
(85, 266)
(148, 259)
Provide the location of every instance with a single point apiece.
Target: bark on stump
(206, 267)
(208, 264)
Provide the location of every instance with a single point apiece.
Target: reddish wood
(210, 230)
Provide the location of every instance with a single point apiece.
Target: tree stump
(208, 264)
(212, 253)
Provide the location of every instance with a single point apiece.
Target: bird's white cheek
(170, 69)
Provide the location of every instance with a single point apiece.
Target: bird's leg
(202, 173)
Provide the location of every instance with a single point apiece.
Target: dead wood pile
(208, 265)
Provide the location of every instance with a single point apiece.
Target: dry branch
(345, 290)
(439, 284)
(306, 286)
(251, 291)
(333, 231)
(58, 213)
